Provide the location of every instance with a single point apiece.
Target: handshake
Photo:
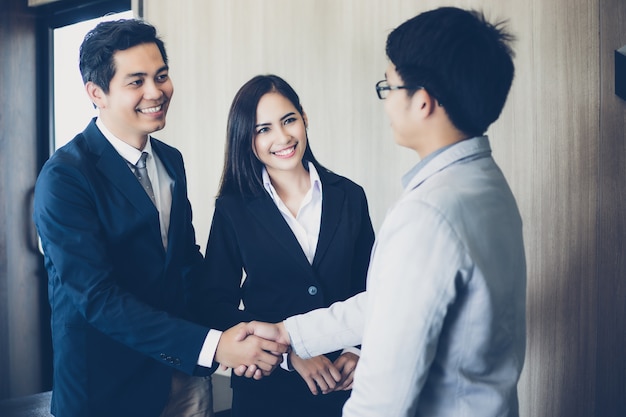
(255, 349)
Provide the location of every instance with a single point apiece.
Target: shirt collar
(316, 183)
(406, 178)
(468, 148)
(126, 151)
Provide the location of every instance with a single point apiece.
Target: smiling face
(139, 94)
(280, 134)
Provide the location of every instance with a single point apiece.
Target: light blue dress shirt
(442, 323)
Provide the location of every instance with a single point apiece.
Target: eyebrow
(281, 119)
(144, 74)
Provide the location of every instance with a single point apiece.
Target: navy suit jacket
(250, 233)
(117, 297)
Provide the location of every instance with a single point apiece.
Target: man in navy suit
(120, 253)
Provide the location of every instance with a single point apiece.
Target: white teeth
(284, 152)
(151, 109)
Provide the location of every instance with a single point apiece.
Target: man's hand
(316, 372)
(263, 355)
(346, 364)
(269, 331)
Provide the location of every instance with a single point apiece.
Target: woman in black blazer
(287, 236)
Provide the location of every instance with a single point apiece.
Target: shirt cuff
(291, 325)
(354, 350)
(207, 353)
(286, 364)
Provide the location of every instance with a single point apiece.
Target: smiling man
(112, 212)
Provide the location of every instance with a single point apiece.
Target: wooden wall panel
(22, 287)
(561, 222)
(610, 380)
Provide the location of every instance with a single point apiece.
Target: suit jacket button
(176, 361)
(312, 290)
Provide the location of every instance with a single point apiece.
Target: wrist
(284, 334)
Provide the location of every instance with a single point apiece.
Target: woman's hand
(346, 364)
(316, 372)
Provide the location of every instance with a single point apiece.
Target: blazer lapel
(268, 215)
(332, 205)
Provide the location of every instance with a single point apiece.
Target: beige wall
(332, 52)
(560, 142)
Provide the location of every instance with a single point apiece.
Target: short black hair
(100, 44)
(242, 172)
(462, 60)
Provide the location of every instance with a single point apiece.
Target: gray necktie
(142, 175)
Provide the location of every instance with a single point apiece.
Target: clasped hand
(241, 347)
(317, 372)
(320, 372)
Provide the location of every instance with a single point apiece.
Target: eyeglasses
(383, 88)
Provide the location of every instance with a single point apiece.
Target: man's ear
(426, 101)
(423, 104)
(96, 94)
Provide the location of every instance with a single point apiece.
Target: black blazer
(116, 294)
(250, 234)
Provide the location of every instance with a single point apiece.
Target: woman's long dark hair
(242, 172)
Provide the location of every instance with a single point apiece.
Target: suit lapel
(115, 169)
(332, 204)
(266, 212)
(268, 215)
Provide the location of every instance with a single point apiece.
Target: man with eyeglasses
(442, 322)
